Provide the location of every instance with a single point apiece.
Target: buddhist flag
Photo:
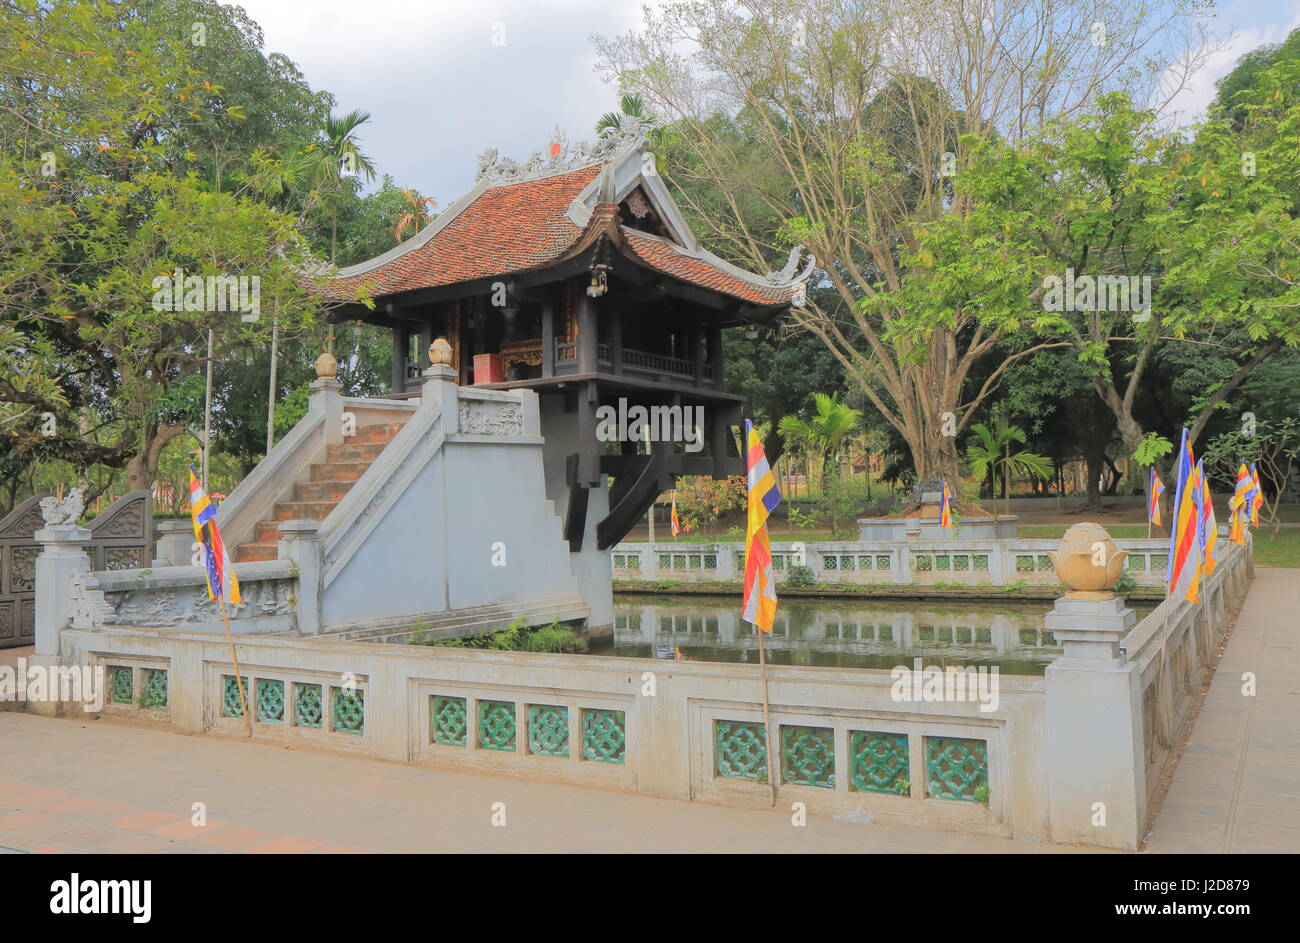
(1209, 526)
(945, 504)
(1256, 497)
(1156, 489)
(222, 583)
(1185, 527)
(1241, 496)
(677, 527)
(760, 587)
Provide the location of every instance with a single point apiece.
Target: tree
(102, 195)
(331, 164)
(989, 454)
(825, 431)
(777, 372)
(1273, 447)
(414, 218)
(703, 499)
(837, 118)
(825, 434)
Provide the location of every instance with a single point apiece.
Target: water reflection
(836, 633)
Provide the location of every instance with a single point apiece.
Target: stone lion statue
(67, 511)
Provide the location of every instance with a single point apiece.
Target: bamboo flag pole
(239, 683)
(767, 723)
(234, 660)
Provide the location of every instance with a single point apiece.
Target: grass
(1056, 531)
(1271, 549)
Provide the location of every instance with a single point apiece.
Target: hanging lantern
(599, 281)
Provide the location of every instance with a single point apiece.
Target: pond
(866, 633)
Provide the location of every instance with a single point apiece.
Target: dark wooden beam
(398, 378)
(548, 338)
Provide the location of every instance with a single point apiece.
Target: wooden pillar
(586, 333)
(399, 358)
(715, 353)
(548, 339)
(426, 338)
(589, 447)
(695, 341)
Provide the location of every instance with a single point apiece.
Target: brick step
(338, 471)
(347, 452)
(303, 510)
(261, 550)
(332, 491)
(380, 433)
(266, 532)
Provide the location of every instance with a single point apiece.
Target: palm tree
(414, 218)
(832, 422)
(826, 430)
(630, 105)
(990, 454)
(331, 158)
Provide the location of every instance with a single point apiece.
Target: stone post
(1093, 719)
(55, 568)
(439, 395)
(175, 545)
(327, 398)
(61, 558)
(300, 542)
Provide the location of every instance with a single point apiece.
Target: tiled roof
(669, 259)
(514, 227)
(507, 229)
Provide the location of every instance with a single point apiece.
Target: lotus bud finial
(1088, 562)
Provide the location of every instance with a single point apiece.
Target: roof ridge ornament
(563, 156)
(786, 276)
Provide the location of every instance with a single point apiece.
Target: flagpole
(767, 724)
(234, 660)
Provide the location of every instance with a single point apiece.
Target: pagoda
(577, 277)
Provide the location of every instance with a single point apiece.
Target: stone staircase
(328, 482)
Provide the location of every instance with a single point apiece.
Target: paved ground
(1237, 786)
(99, 787)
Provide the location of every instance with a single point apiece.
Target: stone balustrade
(988, 562)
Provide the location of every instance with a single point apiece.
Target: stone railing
(987, 562)
(1064, 756)
(844, 742)
(178, 596)
(1177, 645)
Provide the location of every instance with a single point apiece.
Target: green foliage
(554, 638)
(703, 500)
(990, 455)
(800, 575)
(1152, 449)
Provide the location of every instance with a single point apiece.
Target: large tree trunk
(1095, 458)
(142, 468)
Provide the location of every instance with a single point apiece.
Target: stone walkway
(1237, 786)
(86, 786)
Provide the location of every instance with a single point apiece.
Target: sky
(445, 79)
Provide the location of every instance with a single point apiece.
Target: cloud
(1192, 102)
(444, 80)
